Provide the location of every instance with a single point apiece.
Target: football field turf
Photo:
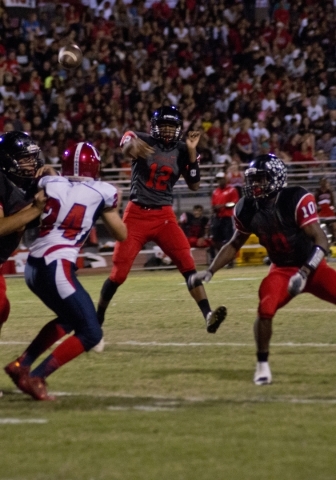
(168, 401)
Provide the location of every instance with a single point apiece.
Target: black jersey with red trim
(12, 199)
(154, 177)
(278, 224)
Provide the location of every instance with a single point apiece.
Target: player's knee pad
(187, 275)
(108, 289)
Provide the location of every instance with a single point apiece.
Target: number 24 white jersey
(71, 210)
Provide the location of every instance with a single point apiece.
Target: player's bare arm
(192, 177)
(192, 140)
(114, 224)
(17, 221)
(137, 148)
(46, 170)
(226, 254)
(315, 232)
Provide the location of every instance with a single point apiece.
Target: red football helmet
(81, 160)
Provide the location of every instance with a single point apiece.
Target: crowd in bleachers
(254, 77)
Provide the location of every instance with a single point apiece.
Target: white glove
(297, 283)
(196, 279)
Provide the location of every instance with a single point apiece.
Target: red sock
(68, 350)
(63, 353)
(47, 336)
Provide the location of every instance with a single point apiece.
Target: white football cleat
(263, 375)
(99, 348)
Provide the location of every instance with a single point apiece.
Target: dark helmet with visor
(19, 157)
(166, 125)
(265, 175)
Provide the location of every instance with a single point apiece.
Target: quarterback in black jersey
(158, 161)
(19, 164)
(286, 222)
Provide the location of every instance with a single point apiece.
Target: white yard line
(219, 344)
(196, 344)
(18, 421)
(166, 403)
(160, 403)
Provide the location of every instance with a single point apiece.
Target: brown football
(70, 56)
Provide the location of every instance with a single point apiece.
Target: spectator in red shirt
(173, 70)
(304, 156)
(12, 64)
(244, 85)
(215, 132)
(223, 200)
(282, 37)
(161, 11)
(267, 32)
(281, 13)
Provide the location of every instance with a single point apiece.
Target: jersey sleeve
(306, 210)
(110, 194)
(127, 137)
(49, 178)
(241, 215)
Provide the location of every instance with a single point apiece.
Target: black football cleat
(215, 318)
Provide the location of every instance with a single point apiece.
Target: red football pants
(4, 303)
(159, 226)
(273, 292)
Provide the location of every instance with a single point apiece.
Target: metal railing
(307, 175)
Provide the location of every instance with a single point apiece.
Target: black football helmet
(265, 175)
(19, 157)
(166, 126)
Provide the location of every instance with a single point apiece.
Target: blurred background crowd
(254, 76)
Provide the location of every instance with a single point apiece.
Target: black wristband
(317, 255)
(193, 173)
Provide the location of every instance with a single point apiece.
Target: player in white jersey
(75, 201)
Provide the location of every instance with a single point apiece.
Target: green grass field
(166, 400)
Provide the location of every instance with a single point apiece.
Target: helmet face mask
(27, 166)
(19, 157)
(266, 175)
(81, 161)
(166, 126)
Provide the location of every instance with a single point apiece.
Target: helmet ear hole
(81, 160)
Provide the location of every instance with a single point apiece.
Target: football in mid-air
(70, 56)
